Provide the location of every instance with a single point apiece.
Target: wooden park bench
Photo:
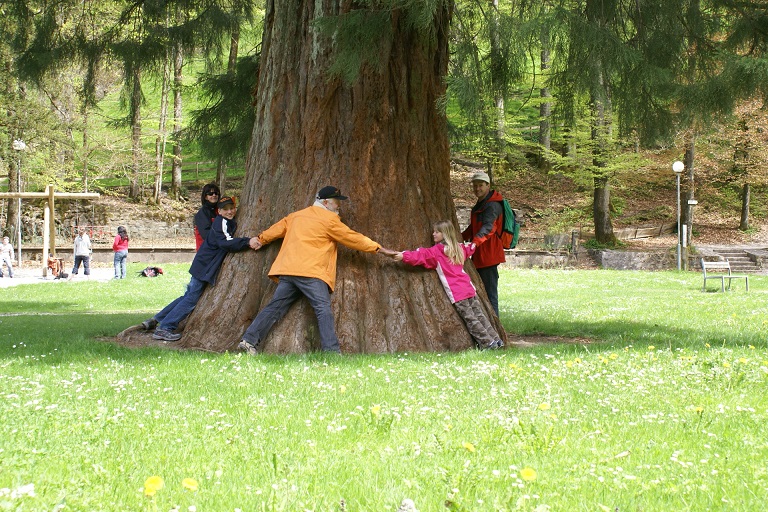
(722, 266)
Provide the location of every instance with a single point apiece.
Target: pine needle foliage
(223, 126)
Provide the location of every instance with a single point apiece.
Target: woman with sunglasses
(207, 212)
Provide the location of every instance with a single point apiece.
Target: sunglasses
(212, 194)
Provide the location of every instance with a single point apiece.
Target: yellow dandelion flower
(706, 345)
(190, 484)
(544, 406)
(152, 485)
(614, 356)
(577, 360)
(342, 389)
(468, 446)
(751, 347)
(528, 474)
(569, 364)
(743, 360)
(699, 410)
(726, 365)
(376, 410)
(651, 347)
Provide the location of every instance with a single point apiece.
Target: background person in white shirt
(6, 256)
(82, 252)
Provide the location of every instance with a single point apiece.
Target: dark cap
(224, 201)
(330, 192)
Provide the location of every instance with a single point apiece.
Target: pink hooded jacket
(456, 282)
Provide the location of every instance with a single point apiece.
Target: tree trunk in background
(86, 151)
(178, 61)
(384, 144)
(234, 44)
(161, 138)
(498, 97)
(689, 187)
(745, 198)
(134, 189)
(545, 108)
(12, 210)
(601, 204)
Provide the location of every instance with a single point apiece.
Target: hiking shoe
(492, 345)
(247, 347)
(148, 325)
(165, 335)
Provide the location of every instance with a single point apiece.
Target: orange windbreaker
(309, 244)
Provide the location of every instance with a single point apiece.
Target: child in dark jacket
(447, 256)
(204, 269)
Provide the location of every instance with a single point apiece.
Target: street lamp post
(678, 167)
(19, 146)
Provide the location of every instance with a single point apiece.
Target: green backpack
(510, 230)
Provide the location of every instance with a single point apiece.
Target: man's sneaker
(498, 344)
(247, 347)
(148, 325)
(166, 335)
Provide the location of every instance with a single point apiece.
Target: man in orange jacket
(484, 230)
(306, 265)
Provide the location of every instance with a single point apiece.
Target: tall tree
(376, 132)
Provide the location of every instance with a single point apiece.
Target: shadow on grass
(60, 338)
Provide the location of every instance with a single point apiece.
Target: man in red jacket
(484, 231)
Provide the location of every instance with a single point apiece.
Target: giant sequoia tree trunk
(383, 142)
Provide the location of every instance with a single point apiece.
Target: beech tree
(348, 96)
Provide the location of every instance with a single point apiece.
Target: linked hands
(386, 252)
(395, 255)
(255, 244)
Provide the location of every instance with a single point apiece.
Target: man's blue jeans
(290, 289)
(171, 315)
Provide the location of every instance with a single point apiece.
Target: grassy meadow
(661, 406)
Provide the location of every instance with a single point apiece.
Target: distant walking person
(306, 265)
(207, 212)
(120, 246)
(484, 230)
(82, 253)
(447, 257)
(6, 256)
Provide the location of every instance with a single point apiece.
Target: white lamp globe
(678, 166)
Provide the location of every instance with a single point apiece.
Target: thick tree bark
(383, 142)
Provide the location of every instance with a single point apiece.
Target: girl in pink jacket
(447, 256)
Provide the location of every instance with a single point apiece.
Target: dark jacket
(211, 255)
(484, 230)
(203, 221)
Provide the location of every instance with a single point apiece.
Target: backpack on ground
(510, 228)
(151, 272)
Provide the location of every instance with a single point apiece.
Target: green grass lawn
(664, 409)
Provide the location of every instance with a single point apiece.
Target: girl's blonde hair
(451, 240)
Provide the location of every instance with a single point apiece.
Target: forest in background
(580, 96)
